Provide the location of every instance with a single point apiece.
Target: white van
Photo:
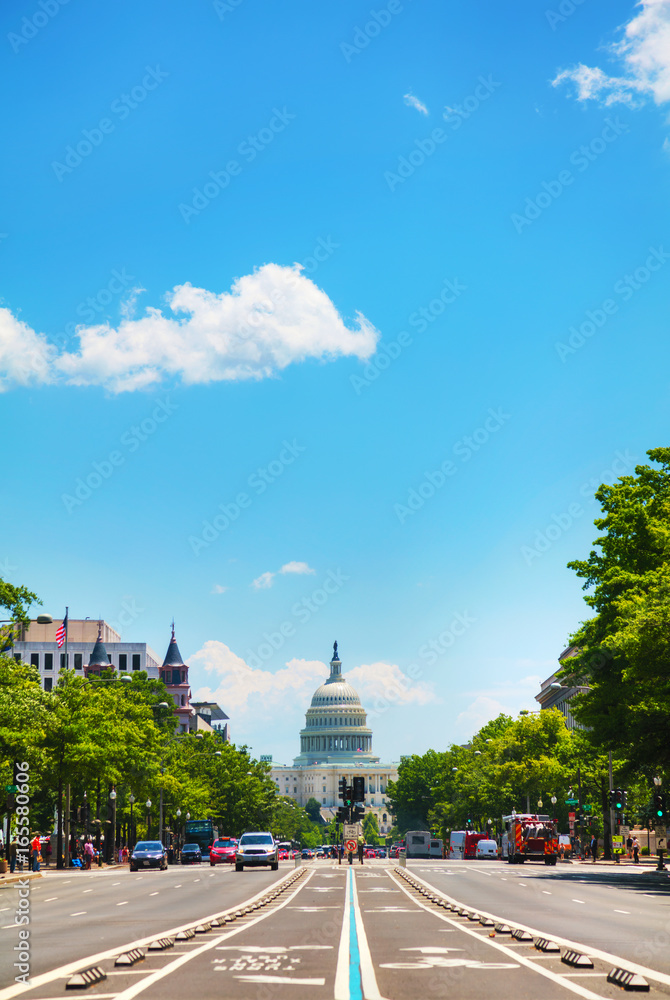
(487, 849)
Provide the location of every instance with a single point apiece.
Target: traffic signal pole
(611, 843)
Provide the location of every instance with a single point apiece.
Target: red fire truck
(529, 837)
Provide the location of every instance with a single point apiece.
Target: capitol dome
(335, 723)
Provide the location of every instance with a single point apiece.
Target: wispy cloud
(219, 589)
(266, 580)
(413, 102)
(643, 54)
(270, 319)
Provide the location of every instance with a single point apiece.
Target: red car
(223, 851)
(283, 855)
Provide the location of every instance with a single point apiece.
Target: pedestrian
(88, 854)
(361, 848)
(47, 851)
(35, 849)
(636, 850)
(12, 855)
(120, 855)
(594, 848)
(629, 846)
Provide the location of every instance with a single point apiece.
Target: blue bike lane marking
(355, 984)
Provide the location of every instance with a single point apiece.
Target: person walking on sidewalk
(636, 850)
(88, 854)
(594, 849)
(629, 846)
(361, 848)
(35, 850)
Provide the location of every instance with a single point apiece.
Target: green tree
(623, 651)
(313, 810)
(371, 829)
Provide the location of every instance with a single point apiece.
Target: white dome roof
(333, 692)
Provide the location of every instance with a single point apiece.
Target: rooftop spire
(173, 657)
(99, 656)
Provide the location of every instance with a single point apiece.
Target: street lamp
(178, 828)
(148, 819)
(131, 832)
(540, 803)
(112, 796)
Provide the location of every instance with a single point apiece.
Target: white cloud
(413, 102)
(25, 356)
(505, 697)
(268, 320)
(219, 589)
(266, 580)
(296, 567)
(381, 685)
(644, 52)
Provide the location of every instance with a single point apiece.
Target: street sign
(351, 846)
(352, 831)
(617, 844)
(571, 817)
(571, 802)
(12, 789)
(587, 809)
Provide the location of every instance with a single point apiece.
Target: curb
(12, 879)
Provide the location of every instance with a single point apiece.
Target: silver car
(256, 849)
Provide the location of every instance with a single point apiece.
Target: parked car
(222, 851)
(191, 854)
(486, 849)
(257, 848)
(148, 854)
(307, 855)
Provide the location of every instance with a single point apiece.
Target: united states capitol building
(336, 742)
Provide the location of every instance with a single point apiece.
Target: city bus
(201, 832)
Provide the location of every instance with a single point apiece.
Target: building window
(48, 661)
(136, 661)
(183, 700)
(123, 661)
(34, 659)
(48, 683)
(109, 657)
(295, 790)
(63, 661)
(78, 661)
(17, 657)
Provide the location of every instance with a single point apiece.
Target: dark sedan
(148, 854)
(191, 854)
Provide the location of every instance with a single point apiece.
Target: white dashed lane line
(88, 890)
(79, 913)
(178, 886)
(627, 912)
(50, 899)
(125, 903)
(153, 893)
(579, 901)
(546, 892)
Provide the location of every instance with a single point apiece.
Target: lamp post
(148, 819)
(112, 796)
(178, 830)
(131, 832)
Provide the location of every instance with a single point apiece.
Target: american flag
(62, 632)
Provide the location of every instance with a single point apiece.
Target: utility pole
(608, 847)
(579, 807)
(66, 824)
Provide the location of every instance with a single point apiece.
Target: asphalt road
(74, 914)
(329, 931)
(622, 911)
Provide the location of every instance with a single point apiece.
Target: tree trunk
(607, 830)
(59, 836)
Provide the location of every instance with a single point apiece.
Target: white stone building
(336, 742)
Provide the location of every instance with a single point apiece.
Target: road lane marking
(88, 890)
(116, 883)
(153, 893)
(546, 892)
(125, 903)
(63, 971)
(79, 913)
(579, 901)
(178, 886)
(50, 899)
(627, 912)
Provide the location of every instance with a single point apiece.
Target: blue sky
(320, 323)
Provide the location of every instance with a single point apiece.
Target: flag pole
(67, 625)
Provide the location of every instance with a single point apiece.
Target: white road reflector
(87, 977)
(630, 981)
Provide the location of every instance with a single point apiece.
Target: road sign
(571, 802)
(587, 809)
(352, 831)
(571, 817)
(12, 789)
(351, 846)
(617, 844)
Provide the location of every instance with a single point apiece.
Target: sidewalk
(8, 879)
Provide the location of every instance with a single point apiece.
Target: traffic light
(659, 805)
(343, 789)
(618, 799)
(357, 814)
(359, 788)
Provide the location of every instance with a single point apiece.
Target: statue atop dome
(335, 656)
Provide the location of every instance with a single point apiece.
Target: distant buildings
(94, 646)
(555, 694)
(336, 742)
